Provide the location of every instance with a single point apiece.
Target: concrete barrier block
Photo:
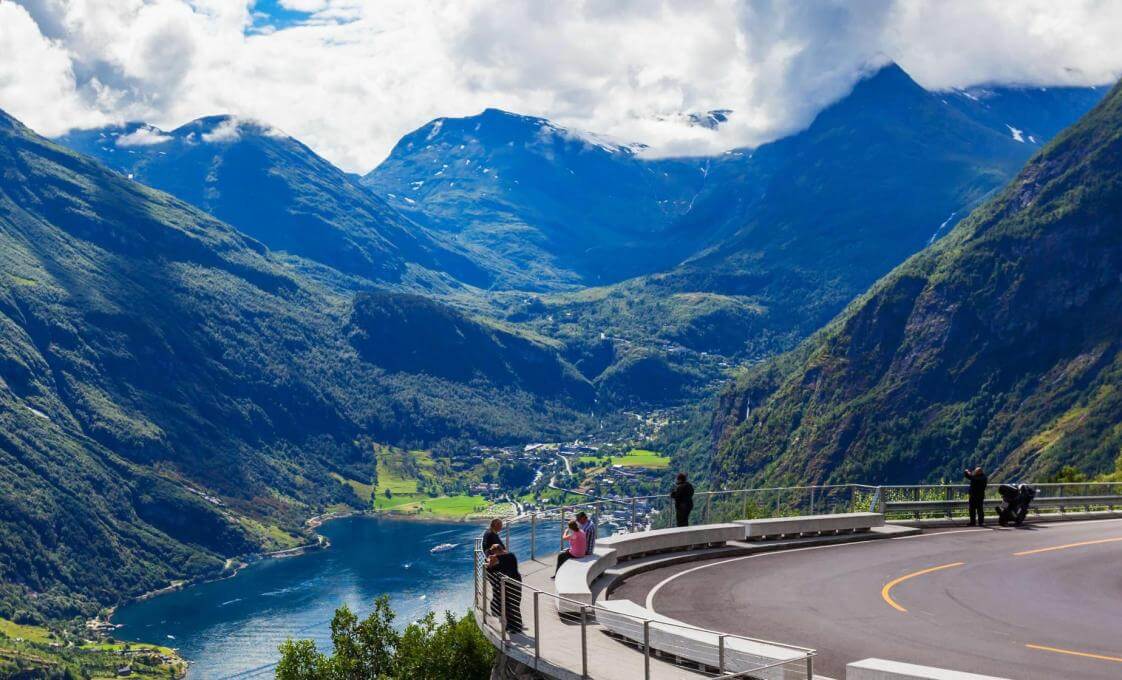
(882, 669)
(575, 577)
(675, 538)
(670, 636)
(811, 524)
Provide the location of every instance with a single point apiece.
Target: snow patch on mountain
(1018, 135)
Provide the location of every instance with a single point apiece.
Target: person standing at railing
(589, 528)
(978, 482)
(682, 493)
(578, 545)
(503, 566)
(492, 536)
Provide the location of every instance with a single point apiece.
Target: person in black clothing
(683, 500)
(492, 537)
(978, 481)
(501, 563)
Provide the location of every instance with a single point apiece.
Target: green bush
(426, 650)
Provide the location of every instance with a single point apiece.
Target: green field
(401, 473)
(122, 646)
(34, 652)
(635, 458)
(444, 507)
(30, 633)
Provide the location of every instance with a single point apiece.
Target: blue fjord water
(231, 628)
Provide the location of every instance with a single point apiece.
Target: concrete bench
(810, 524)
(881, 669)
(575, 577)
(675, 538)
(672, 637)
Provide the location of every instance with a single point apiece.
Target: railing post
(708, 505)
(537, 632)
(915, 497)
(533, 534)
(561, 541)
(506, 542)
(631, 526)
(584, 641)
(721, 654)
(812, 500)
(502, 608)
(475, 577)
(647, 650)
(486, 605)
(947, 497)
(809, 667)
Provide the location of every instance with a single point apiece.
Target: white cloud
(37, 83)
(228, 130)
(143, 136)
(356, 75)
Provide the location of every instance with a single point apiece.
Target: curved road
(1041, 602)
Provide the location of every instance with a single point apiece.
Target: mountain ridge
(999, 345)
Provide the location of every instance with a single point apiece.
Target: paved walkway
(560, 640)
(559, 645)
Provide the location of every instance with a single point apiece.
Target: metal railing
(950, 501)
(906, 501)
(640, 513)
(566, 642)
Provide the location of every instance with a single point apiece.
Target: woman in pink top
(578, 545)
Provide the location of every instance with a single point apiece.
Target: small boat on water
(443, 547)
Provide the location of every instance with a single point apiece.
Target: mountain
(1030, 115)
(1000, 345)
(415, 334)
(543, 205)
(171, 393)
(276, 190)
(780, 238)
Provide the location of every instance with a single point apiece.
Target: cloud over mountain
(351, 77)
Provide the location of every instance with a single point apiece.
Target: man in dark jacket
(500, 564)
(492, 536)
(978, 482)
(683, 500)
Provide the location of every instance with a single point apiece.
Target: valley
(216, 344)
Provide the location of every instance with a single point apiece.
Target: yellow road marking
(884, 592)
(1065, 547)
(1100, 657)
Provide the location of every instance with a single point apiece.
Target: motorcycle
(1016, 501)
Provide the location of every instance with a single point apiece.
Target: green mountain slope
(168, 388)
(999, 345)
(278, 191)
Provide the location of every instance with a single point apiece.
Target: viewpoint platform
(847, 595)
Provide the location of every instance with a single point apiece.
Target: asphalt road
(961, 599)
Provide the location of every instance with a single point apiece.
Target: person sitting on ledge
(578, 545)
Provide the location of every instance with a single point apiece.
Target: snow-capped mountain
(545, 205)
